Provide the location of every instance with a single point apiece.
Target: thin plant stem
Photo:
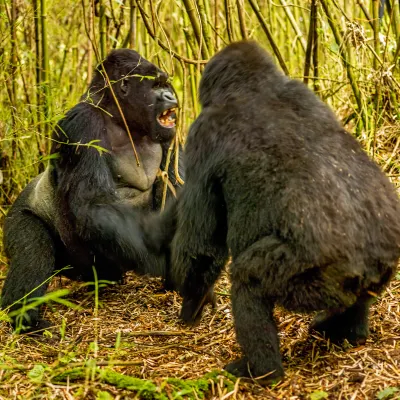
(271, 40)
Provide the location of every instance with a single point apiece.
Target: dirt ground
(134, 329)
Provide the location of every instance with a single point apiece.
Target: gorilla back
(311, 222)
(89, 208)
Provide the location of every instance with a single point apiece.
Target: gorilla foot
(192, 310)
(338, 327)
(241, 369)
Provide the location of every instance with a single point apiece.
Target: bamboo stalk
(376, 26)
(366, 13)
(14, 60)
(192, 72)
(242, 23)
(378, 92)
(13, 69)
(120, 22)
(45, 63)
(395, 5)
(315, 47)
(293, 22)
(216, 25)
(36, 21)
(103, 30)
(149, 30)
(397, 52)
(204, 24)
(378, 96)
(191, 12)
(266, 30)
(228, 20)
(90, 47)
(350, 75)
(310, 40)
(132, 25)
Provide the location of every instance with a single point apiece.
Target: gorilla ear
(124, 86)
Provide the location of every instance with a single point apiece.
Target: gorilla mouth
(167, 118)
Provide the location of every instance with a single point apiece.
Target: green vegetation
(49, 49)
(342, 49)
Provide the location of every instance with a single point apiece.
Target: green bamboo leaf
(36, 374)
(387, 393)
(318, 395)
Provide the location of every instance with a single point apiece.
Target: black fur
(93, 208)
(311, 222)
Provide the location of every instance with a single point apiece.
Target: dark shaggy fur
(89, 208)
(311, 222)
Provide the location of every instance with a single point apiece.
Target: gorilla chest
(134, 182)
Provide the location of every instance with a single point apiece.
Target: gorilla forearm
(116, 228)
(111, 228)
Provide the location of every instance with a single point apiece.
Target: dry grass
(138, 334)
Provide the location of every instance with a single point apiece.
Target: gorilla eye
(124, 85)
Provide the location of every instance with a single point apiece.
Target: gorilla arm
(199, 250)
(86, 192)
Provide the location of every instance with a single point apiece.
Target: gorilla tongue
(167, 118)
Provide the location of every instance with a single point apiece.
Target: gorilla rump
(312, 224)
(89, 207)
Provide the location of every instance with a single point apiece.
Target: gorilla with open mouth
(91, 206)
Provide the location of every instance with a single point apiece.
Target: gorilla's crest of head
(241, 68)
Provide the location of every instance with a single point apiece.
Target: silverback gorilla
(89, 208)
(312, 224)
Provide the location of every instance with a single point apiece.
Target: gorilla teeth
(170, 110)
(167, 118)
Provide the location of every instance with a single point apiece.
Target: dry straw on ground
(138, 334)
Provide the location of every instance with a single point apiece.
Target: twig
(161, 44)
(350, 75)
(266, 30)
(293, 22)
(307, 63)
(159, 333)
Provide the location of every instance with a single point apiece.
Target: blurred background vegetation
(347, 51)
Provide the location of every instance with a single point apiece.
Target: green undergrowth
(169, 388)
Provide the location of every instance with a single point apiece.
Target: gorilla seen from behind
(312, 224)
(89, 208)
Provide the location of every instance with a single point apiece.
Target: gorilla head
(226, 75)
(144, 93)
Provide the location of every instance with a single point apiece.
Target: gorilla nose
(169, 98)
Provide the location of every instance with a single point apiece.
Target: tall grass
(348, 52)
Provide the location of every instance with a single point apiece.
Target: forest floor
(133, 331)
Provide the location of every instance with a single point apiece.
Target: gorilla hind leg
(259, 275)
(348, 323)
(256, 333)
(31, 250)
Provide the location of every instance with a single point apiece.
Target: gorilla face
(144, 93)
(151, 105)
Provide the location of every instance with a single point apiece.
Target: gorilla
(92, 205)
(273, 179)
